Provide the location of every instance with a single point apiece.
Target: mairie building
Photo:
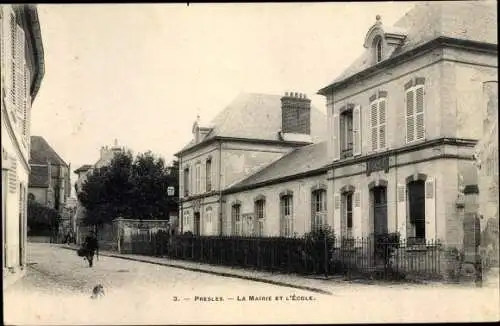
(392, 154)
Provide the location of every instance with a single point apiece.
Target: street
(58, 285)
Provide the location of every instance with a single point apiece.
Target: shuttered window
(236, 217)
(378, 124)
(318, 209)
(20, 91)
(208, 175)
(415, 120)
(286, 204)
(260, 209)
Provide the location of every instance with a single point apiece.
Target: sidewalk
(316, 284)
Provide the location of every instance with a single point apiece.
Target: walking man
(91, 247)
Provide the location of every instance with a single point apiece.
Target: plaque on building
(377, 164)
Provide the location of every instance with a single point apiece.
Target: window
(378, 49)
(208, 221)
(318, 209)
(187, 220)
(208, 175)
(348, 211)
(247, 225)
(260, 208)
(236, 217)
(416, 209)
(378, 123)
(198, 178)
(286, 204)
(380, 209)
(31, 197)
(415, 123)
(186, 182)
(346, 134)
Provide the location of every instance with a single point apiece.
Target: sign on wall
(377, 164)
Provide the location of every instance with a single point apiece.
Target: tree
(129, 187)
(42, 220)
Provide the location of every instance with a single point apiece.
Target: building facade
(49, 182)
(252, 132)
(403, 122)
(401, 133)
(22, 70)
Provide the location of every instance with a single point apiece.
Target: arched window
(236, 218)
(318, 203)
(378, 49)
(286, 210)
(260, 215)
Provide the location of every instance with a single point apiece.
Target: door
(197, 223)
(379, 210)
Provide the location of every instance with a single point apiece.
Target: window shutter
(357, 215)
(401, 206)
(419, 114)
(410, 118)
(336, 137)
(27, 101)
(8, 39)
(374, 125)
(382, 129)
(337, 213)
(19, 78)
(356, 123)
(430, 209)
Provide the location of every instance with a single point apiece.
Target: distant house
(49, 181)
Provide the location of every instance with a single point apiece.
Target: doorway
(197, 223)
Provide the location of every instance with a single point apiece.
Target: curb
(224, 274)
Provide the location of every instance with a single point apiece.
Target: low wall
(124, 229)
(39, 239)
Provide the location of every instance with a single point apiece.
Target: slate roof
(257, 116)
(301, 160)
(39, 176)
(41, 152)
(463, 20)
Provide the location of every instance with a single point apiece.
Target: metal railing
(350, 257)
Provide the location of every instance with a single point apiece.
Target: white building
(22, 70)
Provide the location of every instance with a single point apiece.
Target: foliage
(129, 187)
(42, 219)
(385, 246)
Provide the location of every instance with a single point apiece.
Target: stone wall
(120, 234)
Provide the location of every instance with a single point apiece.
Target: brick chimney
(295, 114)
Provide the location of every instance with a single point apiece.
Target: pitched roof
(83, 168)
(41, 152)
(257, 116)
(39, 176)
(301, 160)
(463, 20)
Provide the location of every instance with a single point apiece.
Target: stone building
(251, 133)
(400, 132)
(49, 181)
(403, 125)
(21, 71)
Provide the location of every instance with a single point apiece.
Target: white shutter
(402, 210)
(27, 102)
(419, 113)
(9, 38)
(357, 215)
(382, 124)
(20, 62)
(374, 125)
(336, 137)
(430, 209)
(356, 115)
(337, 218)
(410, 118)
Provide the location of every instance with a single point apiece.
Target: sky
(141, 73)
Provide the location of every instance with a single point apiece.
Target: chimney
(295, 113)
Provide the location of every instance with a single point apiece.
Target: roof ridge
(46, 143)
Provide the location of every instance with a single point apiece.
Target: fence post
(325, 240)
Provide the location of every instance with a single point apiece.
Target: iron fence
(384, 258)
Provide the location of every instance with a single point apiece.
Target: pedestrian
(91, 247)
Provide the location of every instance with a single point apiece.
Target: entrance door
(379, 210)
(197, 223)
